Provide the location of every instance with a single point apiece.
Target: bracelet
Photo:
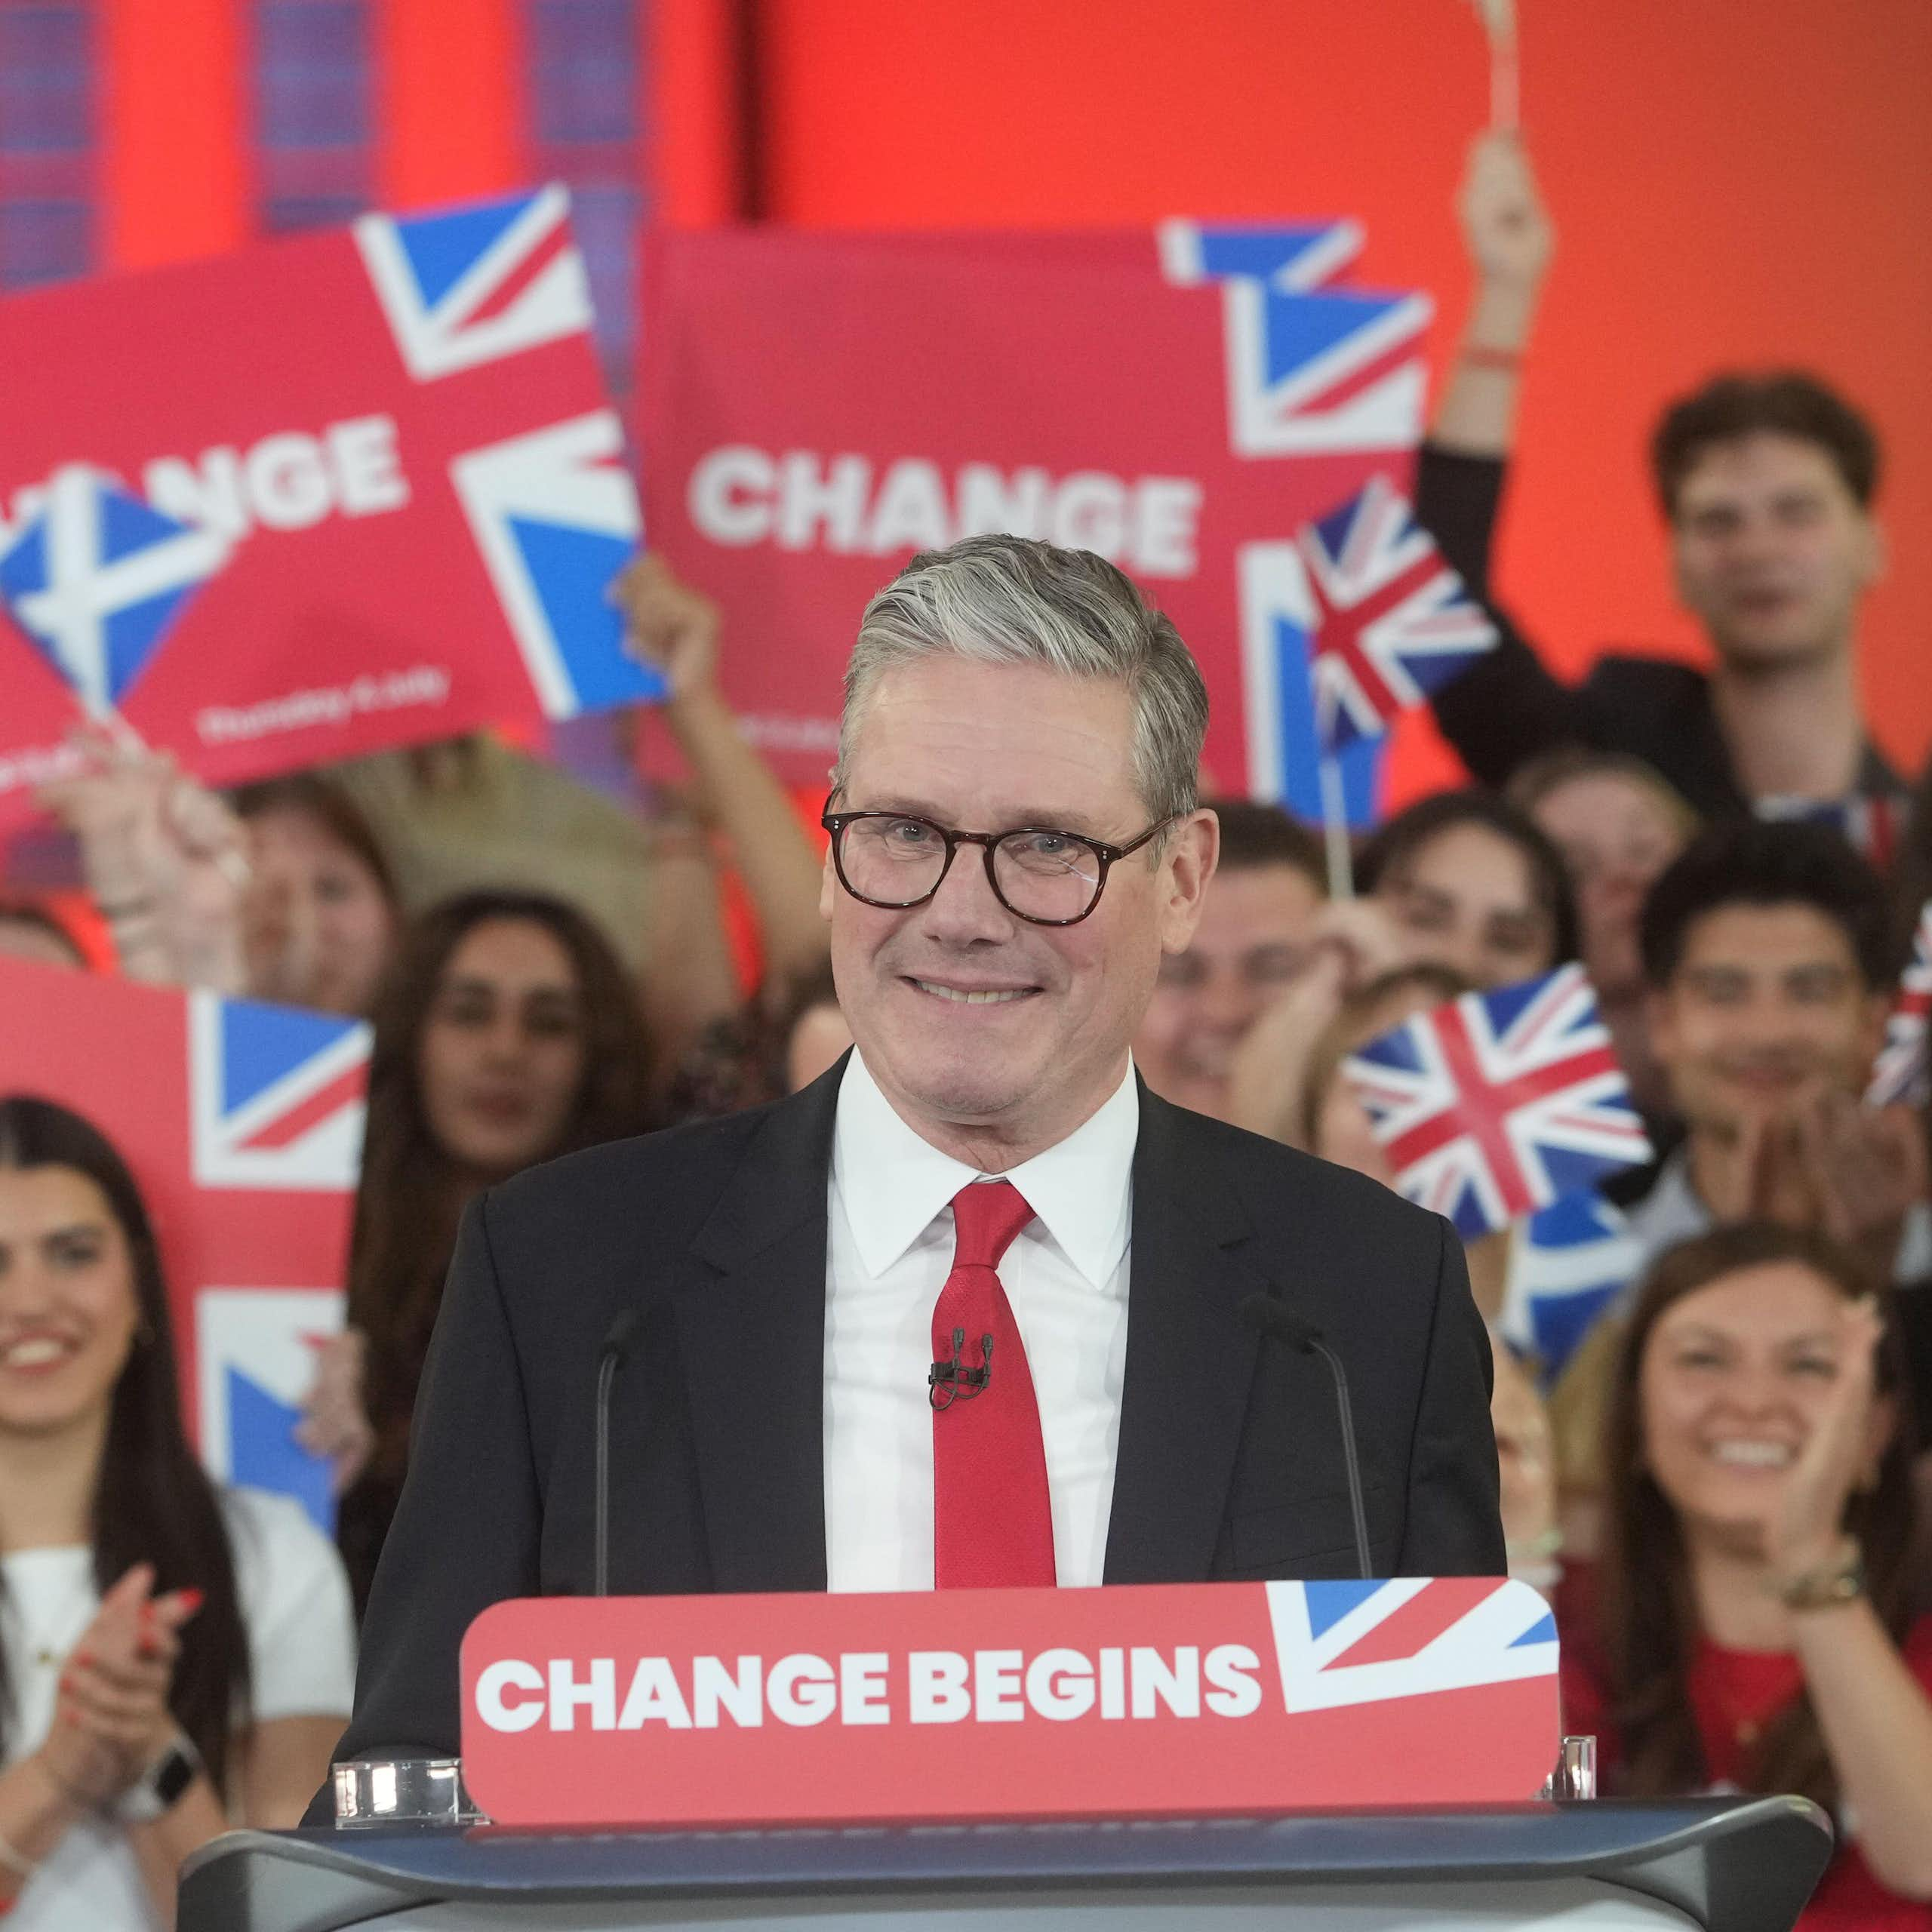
(1505, 360)
(17, 1861)
(1840, 1579)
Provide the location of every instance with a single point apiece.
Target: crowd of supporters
(1723, 1450)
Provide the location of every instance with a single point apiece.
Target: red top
(1734, 1694)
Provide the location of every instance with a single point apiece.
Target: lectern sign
(1009, 1704)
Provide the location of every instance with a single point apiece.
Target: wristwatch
(159, 1788)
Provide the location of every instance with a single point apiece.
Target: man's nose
(965, 907)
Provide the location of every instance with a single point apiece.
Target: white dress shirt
(888, 1251)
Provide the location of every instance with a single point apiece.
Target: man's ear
(1194, 850)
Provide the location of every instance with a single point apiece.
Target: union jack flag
(1900, 1072)
(276, 1097)
(243, 1124)
(1366, 1643)
(1315, 374)
(1391, 621)
(467, 287)
(1566, 1268)
(1871, 821)
(1498, 1103)
(1298, 256)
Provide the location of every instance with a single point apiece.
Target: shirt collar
(892, 1185)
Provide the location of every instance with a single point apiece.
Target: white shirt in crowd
(888, 1251)
(301, 1634)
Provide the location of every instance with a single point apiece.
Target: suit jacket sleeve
(1509, 707)
(1453, 1524)
(471, 1465)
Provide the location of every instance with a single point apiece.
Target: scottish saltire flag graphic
(1311, 374)
(556, 515)
(1391, 621)
(1569, 1263)
(97, 577)
(1500, 1102)
(1284, 750)
(256, 1355)
(276, 1095)
(1870, 821)
(1901, 1072)
(1291, 256)
(473, 285)
(1360, 1643)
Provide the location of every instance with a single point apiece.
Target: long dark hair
(413, 1193)
(153, 1500)
(1649, 1620)
(1397, 840)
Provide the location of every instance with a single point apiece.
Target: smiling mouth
(35, 1351)
(1752, 1455)
(960, 996)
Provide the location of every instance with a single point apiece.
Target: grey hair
(1014, 600)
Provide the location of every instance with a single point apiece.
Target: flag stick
(1505, 87)
(1335, 829)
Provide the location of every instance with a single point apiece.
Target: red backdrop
(1733, 183)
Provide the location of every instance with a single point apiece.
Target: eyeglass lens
(1040, 875)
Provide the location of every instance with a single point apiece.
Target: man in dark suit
(965, 1310)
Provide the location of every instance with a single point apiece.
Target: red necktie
(992, 1524)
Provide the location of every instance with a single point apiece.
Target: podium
(1726, 1865)
(1235, 1757)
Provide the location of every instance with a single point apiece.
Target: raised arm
(1509, 239)
(1508, 708)
(677, 627)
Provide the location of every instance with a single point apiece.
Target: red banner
(357, 489)
(970, 1704)
(814, 408)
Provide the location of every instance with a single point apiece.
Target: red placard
(355, 489)
(242, 1124)
(979, 1705)
(813, 408)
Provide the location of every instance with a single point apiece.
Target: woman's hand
(1806, 1524)
(334, 1422)
(111, 1719)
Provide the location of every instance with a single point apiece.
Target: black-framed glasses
(895, 860)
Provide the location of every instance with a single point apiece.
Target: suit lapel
(751, 1338)
(1190, 1359)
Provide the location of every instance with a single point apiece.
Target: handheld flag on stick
(1390, 622)
(1497, 1104)
(1902, 1072)
(1499, 23)
(96, 580)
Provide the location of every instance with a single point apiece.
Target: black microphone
(610, 1359)
(1262, 1312)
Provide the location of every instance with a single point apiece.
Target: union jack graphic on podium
(97, 578)
(1498, 1103)
(1365, 1643)
(1391, 623)
(242, 1124)
(473, 285)
(1901, 1072)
